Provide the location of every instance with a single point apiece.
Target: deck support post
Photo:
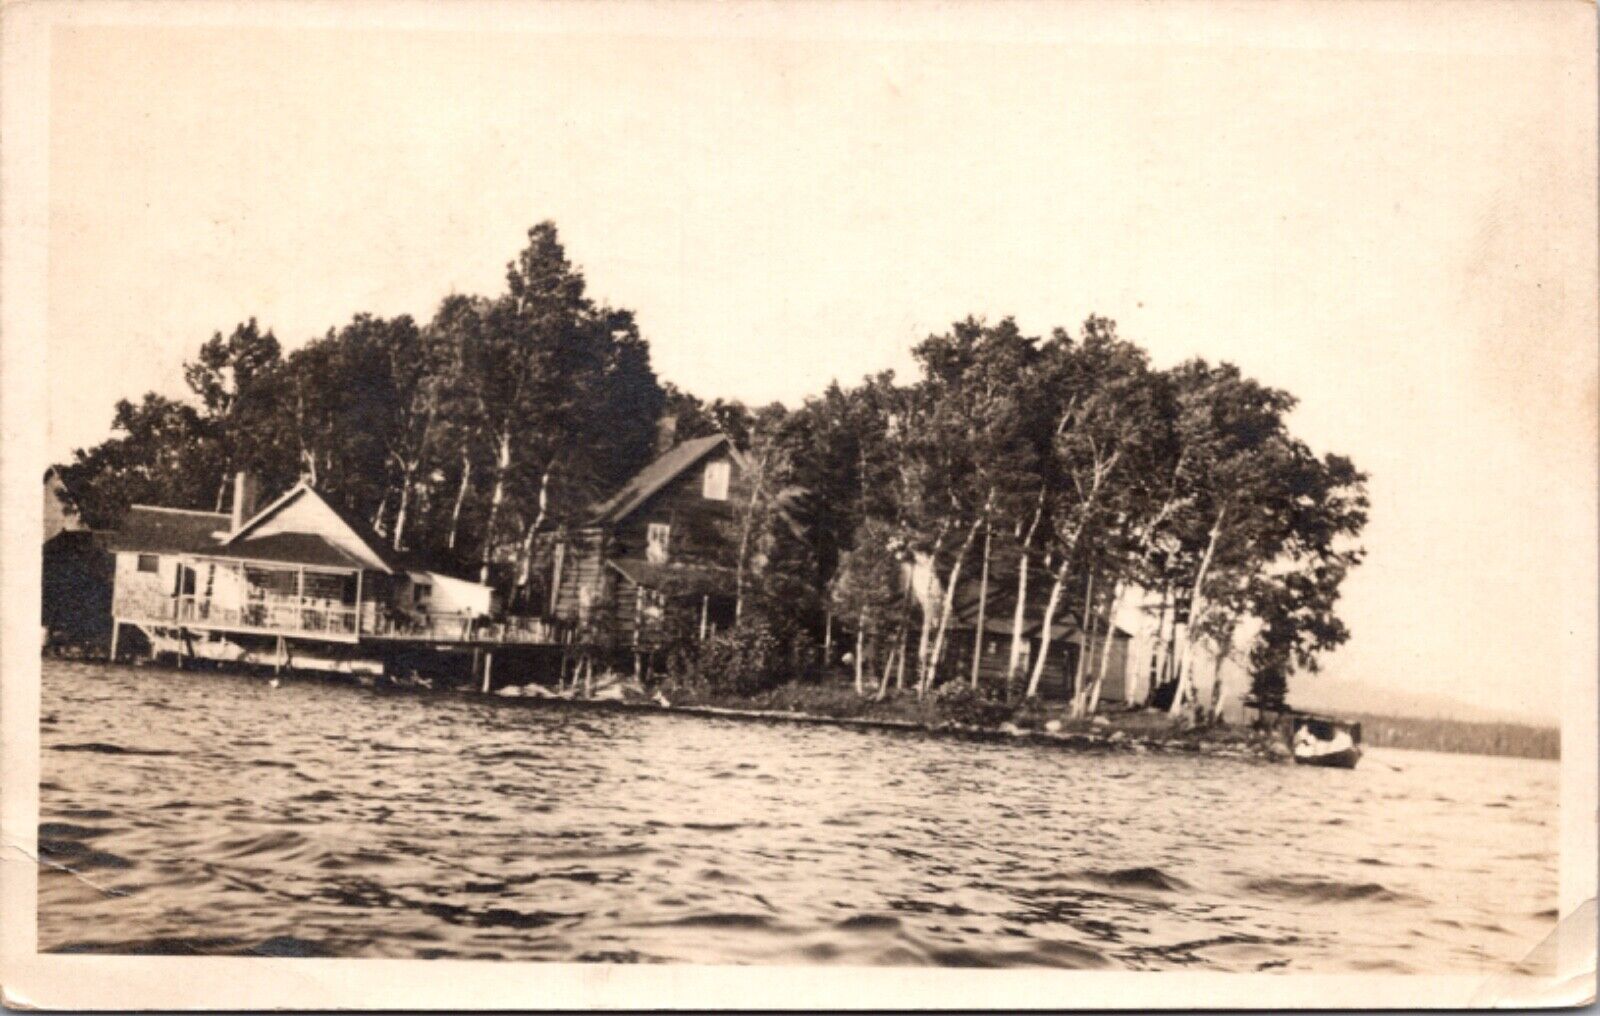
(488, 669)
(705, 613)
(116, 630)
(277, 666)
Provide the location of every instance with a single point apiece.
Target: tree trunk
(502, 465)
(461, 497)
(983, 609)
(946, 606)
(1019, 615)
(861, 636)
(1085, 648)
(525, 554)
(888, 667)
(405, 504)
(1216, 683)
(377, 516)
(1018, 620)
(1044, 633)
(924, 644)
(1105, 649)
(900, 663)
(1196, 608)
(745, 532)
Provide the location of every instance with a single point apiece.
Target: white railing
(276, 614)
(464, 628)
(294, 616)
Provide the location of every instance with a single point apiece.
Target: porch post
(116, 629)
(358, 600)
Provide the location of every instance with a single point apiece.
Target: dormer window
(715, 487)
(658, 538)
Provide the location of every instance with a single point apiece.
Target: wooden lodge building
(298, 583)
(667, 534)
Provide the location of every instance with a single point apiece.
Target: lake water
(207, 813)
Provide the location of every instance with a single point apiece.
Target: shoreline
(1111, 741)
(1104, 734)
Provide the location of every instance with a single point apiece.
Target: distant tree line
(1064, 466)
(1462, 736)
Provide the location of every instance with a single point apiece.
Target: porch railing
(291, 616)
(465, 628)
(277, 615)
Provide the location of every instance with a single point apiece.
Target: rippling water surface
(185, 812)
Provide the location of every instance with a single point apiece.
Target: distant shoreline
(1458, 737)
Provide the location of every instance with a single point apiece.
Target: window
(716, 482)
(420, 593)
(658, 539)
(149, 563)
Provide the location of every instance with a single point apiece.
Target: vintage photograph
(1103, 488)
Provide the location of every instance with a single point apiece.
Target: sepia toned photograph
(800, 505)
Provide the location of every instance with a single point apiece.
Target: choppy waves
(316, 821)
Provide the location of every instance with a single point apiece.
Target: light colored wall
(132, 587)
(455, 596)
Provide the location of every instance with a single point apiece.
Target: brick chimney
(666, 434)
(244, 498)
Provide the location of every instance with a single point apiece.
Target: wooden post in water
(488, 669)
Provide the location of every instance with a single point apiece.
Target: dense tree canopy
(1065, 467)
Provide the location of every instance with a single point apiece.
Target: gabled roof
(358, 529)
(649, 480)
(292, 548)
(152, 530)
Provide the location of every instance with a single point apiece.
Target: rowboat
(1319, 741)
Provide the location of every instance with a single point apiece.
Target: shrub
(752, 657)
(957, 702)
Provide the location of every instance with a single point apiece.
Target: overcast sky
(1391, 218)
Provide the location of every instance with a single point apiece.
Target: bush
(957, 702)
(752, 657)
